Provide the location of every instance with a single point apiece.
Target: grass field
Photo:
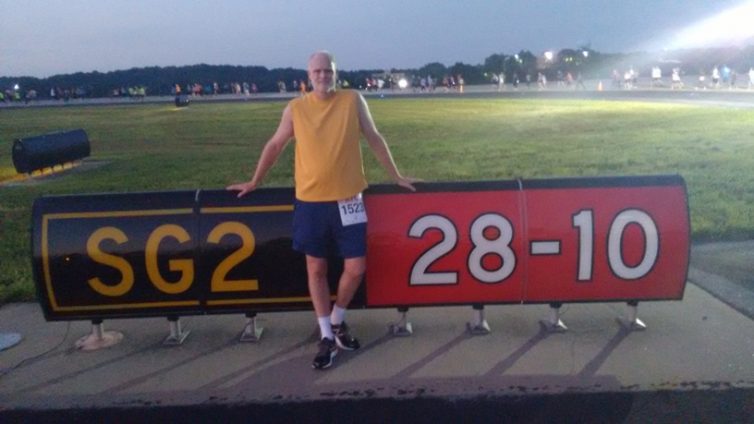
(159, 147)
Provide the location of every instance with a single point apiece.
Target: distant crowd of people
(560, 80)
(716, 78)
(209, 89)
(15, 94)
(138, 92)
(447, 83)
(724, 77)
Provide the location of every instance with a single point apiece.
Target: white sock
(337, 315)
(324, 328)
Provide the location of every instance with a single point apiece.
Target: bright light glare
(548, 55)
(402, 83)
(731, 27)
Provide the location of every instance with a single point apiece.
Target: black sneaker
(343, 338)
(327, 351)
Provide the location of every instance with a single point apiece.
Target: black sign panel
(169, 253)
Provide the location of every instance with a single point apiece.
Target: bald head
(321, 70)
(322, 55)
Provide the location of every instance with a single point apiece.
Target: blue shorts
(319, 232)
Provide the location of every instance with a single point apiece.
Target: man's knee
(316, 268)
(355, 267)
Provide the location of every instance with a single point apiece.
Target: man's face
(322, 73)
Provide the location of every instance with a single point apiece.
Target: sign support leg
(251, 332)
(177, 335)
(402, 328)
(633, 323)
(98, 338)
(553, 324)
(478, 326)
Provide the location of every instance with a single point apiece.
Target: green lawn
(159, 147)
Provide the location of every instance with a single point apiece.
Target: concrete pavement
(695, 361)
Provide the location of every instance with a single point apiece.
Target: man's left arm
(379, 146)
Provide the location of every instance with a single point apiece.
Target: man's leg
(353, 273)
(316, 269)
(350, 280)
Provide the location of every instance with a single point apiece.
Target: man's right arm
(270, 154)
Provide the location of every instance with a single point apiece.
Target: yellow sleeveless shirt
(328, 164)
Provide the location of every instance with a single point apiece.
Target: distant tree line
(583, 60)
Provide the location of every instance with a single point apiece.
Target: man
(329, 178)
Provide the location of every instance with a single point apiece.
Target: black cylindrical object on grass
(39, 152)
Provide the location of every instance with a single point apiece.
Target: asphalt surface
(693, 363)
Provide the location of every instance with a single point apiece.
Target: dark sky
(44, 38)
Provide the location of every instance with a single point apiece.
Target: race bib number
(352, 211)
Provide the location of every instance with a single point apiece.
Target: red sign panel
(561, 240)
